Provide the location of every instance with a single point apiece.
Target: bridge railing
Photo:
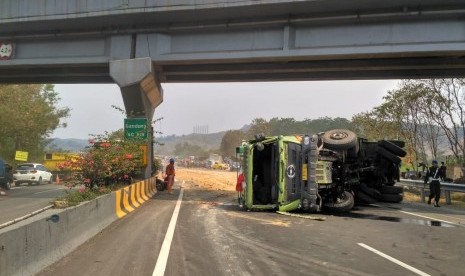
(446, 188)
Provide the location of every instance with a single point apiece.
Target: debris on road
(305, 216)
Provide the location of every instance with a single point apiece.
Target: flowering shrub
(107, 161)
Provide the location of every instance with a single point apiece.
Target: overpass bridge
(74, 41)
(140, 44)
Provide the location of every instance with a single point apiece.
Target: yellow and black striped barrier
(131, 197)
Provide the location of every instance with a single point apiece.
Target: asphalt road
(213, 237)
(25, 199)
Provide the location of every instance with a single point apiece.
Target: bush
(106, 162)
(460, 180)
(74, 197)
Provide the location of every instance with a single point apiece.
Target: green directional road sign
(135, 128)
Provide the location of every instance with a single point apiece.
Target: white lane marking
(394, 260)
(18, 187)
(434, 219)
(162, 259)
(48, 191)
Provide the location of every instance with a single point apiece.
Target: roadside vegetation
(108, 164)
(457, 199)
(28, 116)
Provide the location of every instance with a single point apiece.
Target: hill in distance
(206, 141)
(67, 145)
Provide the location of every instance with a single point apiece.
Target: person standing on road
(433, 174)
(443, 171)
(170, 173)
(240, 187)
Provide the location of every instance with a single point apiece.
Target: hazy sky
(220, 106)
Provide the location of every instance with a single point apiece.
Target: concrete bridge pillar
(141, 92)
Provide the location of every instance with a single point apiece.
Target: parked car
(6, 175)
(220, 166)
(31, 173)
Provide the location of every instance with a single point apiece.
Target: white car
(31, 173)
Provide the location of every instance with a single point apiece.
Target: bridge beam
(141, 92)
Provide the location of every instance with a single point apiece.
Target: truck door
(292, 171)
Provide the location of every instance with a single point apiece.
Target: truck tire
(392, 148)
(339, 139)
(363, 198)
(372, 192)
(388, 155)
(392, 190)
(399, 143)
(391, 198)
(345, 203)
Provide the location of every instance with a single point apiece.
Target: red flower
(128, 156)
(87, 180)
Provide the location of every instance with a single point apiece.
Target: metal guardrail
(446, 188)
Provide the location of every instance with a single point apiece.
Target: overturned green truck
(331, 170)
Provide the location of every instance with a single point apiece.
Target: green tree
(445, 105)
(28, 116)
(284, 126)
(230, 141)
(259, 125)
(325, 123)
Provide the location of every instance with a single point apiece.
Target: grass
(457, 199)
(74, 197)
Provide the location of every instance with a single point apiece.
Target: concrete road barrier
(31, 245)
(131, 197)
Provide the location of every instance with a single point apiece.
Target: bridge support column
(141, 92)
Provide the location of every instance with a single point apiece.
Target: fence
(445, 187)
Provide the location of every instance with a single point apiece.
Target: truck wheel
(392, 190)
(50, 180)
(399, 143)
(339, 139)
(17, 184)
(344, 203)
(372, 192)
(391, 198)
(388, 155)
(392, 148)
(363, 198)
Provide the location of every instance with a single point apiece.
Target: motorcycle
(161, 184)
